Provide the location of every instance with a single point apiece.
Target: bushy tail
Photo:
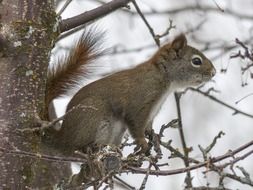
(66, 74)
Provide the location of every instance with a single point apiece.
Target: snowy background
(202, 118)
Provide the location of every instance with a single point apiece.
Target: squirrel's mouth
(207, 77)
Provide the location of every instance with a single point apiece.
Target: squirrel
(101, 112)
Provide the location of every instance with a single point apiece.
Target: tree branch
(236, 111)
(93, 14)
(193, 167)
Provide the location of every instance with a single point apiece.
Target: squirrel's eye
(196, 61)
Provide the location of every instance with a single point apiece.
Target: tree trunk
(26, 37)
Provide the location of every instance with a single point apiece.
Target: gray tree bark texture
(26, 36)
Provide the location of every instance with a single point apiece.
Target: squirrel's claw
(141, 146)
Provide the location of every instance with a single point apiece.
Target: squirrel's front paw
(142, 146)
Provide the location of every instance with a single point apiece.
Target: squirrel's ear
(179, 42)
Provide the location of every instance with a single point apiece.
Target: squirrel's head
(183, 64)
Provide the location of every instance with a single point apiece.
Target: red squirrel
(128, 99)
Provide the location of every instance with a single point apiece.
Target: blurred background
(211, 26)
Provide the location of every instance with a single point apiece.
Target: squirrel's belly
(110, 132)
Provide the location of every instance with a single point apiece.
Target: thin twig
(244, 180)
(167, 31)
(206, 150)
(238, 101)
(172, 124)
(157, 40)
(143, 184)
(239, 179)
(176, 153)
(66, 4)
(124, 183)
(218, 6)
(104, 179)
(41, 156)
(203, 8)
(193, 167)
(46, 125)
(236, 111)
(181, 133)
(237, 159)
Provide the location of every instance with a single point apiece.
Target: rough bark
(26, 36)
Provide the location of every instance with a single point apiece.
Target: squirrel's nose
(213, 72)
